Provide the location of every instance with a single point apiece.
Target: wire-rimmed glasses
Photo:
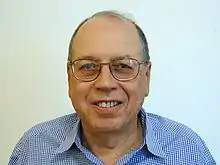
(121, 69)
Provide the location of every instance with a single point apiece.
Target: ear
(68, 70)
(148, 74)
(68, 78)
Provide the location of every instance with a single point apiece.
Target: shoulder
(57, 127)
(169, 126)
(45, 136)
(178, 139)
(172, 129)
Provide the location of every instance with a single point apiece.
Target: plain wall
(184, 42)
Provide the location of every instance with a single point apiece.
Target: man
(108, 75)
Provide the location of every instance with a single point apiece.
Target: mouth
(108, 104)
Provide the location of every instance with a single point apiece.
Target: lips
(107, 104)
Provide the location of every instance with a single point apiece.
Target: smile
(108, 104)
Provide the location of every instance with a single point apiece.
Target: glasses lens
(124, 69)
(86, 70)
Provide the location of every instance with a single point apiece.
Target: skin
(109, 132)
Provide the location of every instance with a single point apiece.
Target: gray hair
(120, 16)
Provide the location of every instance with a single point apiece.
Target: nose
(105, 82)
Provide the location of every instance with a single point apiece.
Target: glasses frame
(71, 63)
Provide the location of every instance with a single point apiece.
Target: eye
(88, 66)
(121, 66)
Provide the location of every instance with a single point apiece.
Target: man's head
(114, 15)
(112, 99)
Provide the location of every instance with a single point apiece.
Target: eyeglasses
(121, 69)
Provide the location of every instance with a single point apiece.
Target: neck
(112, 145)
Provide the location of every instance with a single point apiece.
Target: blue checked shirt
(57, 142)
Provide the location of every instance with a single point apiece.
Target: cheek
(135, 91)
(139, 87)
(78, 94)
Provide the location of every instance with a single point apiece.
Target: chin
(106, 125)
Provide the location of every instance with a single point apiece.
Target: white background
(184, 42)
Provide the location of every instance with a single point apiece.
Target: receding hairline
(118, 16)
(115, 15)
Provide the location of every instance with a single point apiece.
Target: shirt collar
(150, 140)
(70, 138)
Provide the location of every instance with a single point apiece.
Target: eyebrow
(87, 58)
(121, 57)
(98, 59)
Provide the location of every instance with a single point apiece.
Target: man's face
(105, 39)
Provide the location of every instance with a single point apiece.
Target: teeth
(108, 104)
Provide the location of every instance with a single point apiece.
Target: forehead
(106, 38)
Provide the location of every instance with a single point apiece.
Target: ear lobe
(147, 89)
(148, 72)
